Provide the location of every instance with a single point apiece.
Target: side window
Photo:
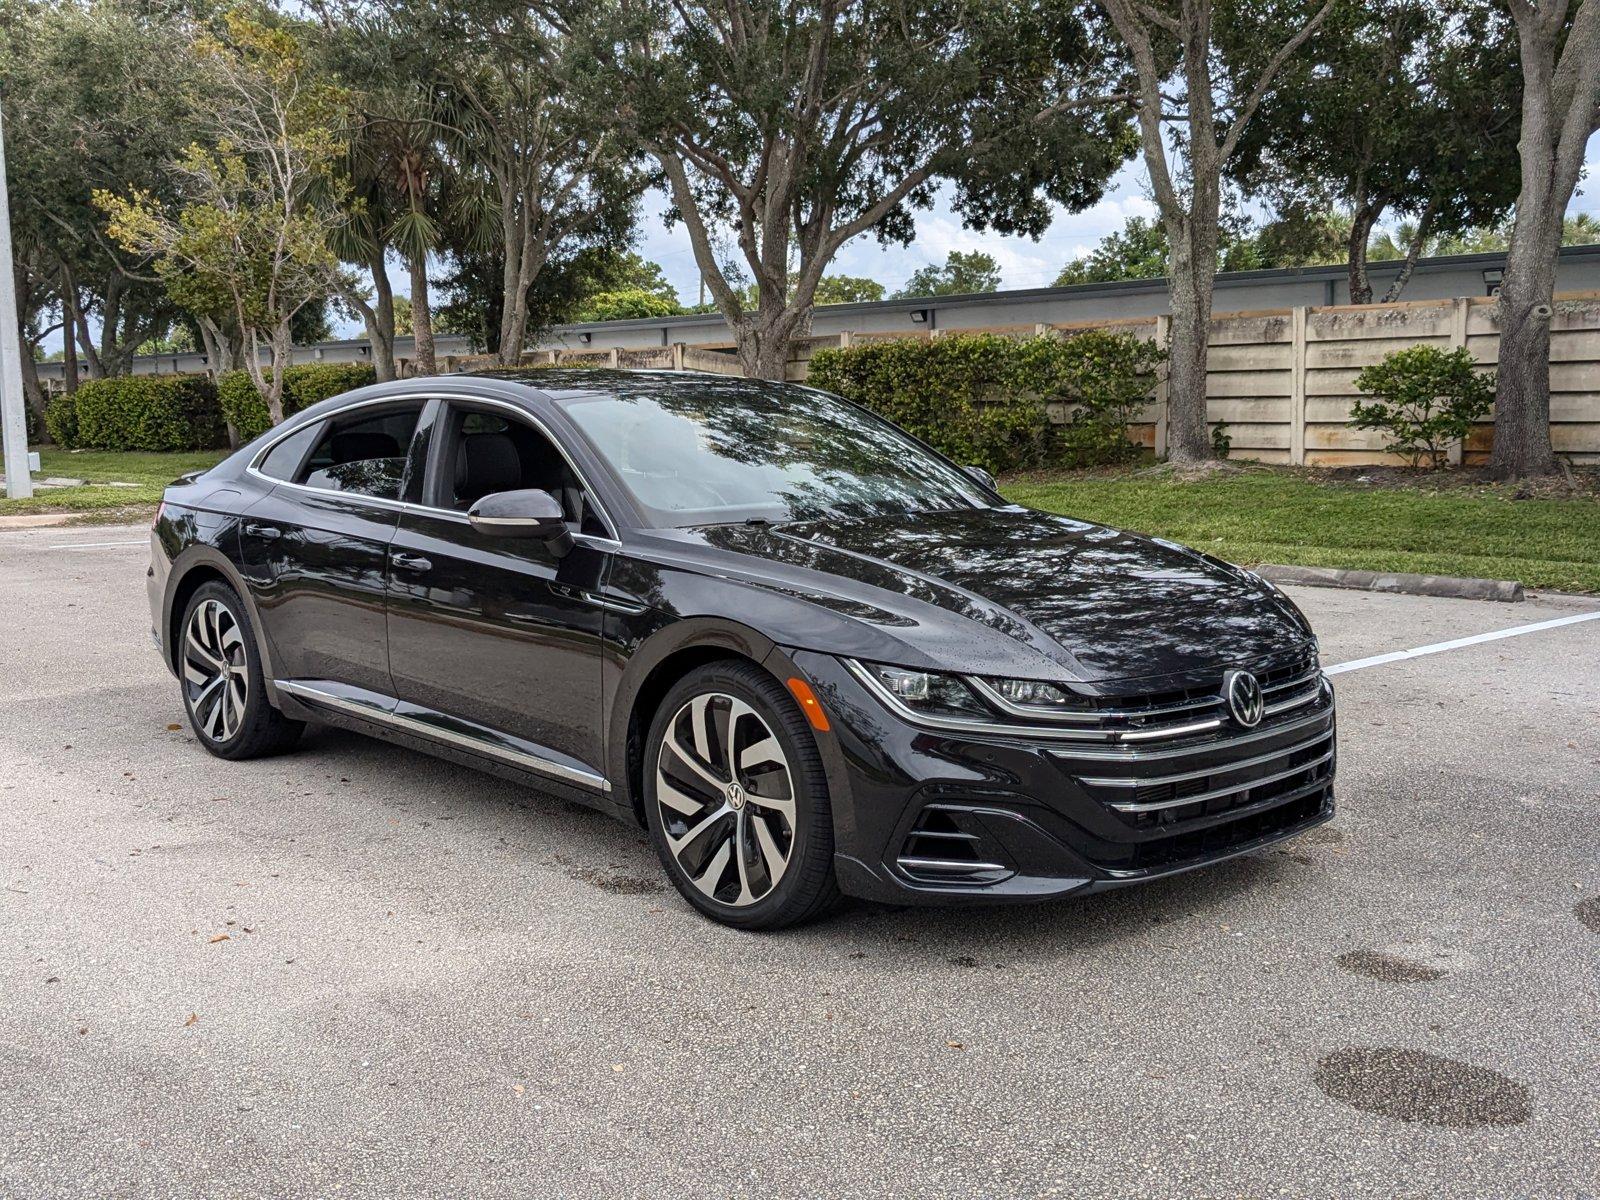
(284, 459)
(364, 453)
(488, 452)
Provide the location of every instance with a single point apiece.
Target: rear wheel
(223, 689)
(737, 802)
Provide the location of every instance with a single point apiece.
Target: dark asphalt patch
(1323, 835)
(1412, 1085)
(619, 885)
(1389, 968)
(1588, 911)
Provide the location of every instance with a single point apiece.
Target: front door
(494, 638)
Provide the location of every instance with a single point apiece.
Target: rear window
(363, 454)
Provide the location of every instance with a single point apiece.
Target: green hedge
(303, 386)
(982, 399)
(140, 412)
(61, 419)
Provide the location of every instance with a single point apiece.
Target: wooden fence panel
(1282, 380)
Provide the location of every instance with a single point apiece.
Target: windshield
(718, 452)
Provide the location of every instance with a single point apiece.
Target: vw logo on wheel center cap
(1245, 701)
(735, 796)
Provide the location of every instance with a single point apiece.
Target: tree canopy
(963, 272)
(800, 124)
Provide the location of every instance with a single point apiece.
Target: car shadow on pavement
(593, 849)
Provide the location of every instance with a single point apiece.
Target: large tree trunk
(69, 344)
(377, 318)
(1522, 393)
(1365, 217)
(423, 362)
(1193, 278)
(380, 330)
(33, 391)
(1558, 115)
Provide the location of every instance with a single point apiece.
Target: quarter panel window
(364, 453)
(283, 460)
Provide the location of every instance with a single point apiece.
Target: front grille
(1218, 839)
(1199, 792)
(1151, 801)
(1177, 713)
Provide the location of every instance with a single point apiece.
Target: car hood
(1103, 603)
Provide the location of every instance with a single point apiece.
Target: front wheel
(223, 689)
(736, 799)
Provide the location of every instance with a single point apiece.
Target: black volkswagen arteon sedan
(808, 653)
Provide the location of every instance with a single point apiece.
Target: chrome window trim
(609, 541)
(427, 729)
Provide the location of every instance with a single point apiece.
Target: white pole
(13, 414)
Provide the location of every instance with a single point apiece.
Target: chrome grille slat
(1241, 764)
(1134, 806)
(1131, 754)
(1303, 678)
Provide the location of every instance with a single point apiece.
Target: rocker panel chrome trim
(428, 729)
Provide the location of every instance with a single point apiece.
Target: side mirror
(982, 477)
(526, 513)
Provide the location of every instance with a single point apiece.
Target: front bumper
(939, 817)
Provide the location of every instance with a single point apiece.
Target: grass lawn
(148, 473)
(1266, 515)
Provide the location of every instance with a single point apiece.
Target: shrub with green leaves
(1424, 399)
(982, 399)
(303, 386)
(140, 412)
(1107, 378)
(61, 420)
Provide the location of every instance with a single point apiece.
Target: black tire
(805, 887)
(253, 729)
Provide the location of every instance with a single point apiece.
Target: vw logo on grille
(1244, 697)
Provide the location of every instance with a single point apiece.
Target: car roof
(568, 383)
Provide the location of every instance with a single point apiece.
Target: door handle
(264, 532)
(402, 561)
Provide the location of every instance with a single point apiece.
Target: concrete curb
(1504, 590)
(35, 520)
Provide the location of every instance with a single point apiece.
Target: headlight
(926, 691)
(958, 696)
(1031, 693)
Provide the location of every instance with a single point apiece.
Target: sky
(1024, 263)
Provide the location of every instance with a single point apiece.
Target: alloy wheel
(726, 798)
(216, 671)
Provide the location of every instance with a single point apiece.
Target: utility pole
(13, 405)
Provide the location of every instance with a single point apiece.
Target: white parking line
(93, 545)
(1440, 647)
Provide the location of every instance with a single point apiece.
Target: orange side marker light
(809, 704)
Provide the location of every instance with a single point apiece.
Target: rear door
(494, 638)
(316, 547)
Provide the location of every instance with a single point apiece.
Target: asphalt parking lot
(357, 970)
